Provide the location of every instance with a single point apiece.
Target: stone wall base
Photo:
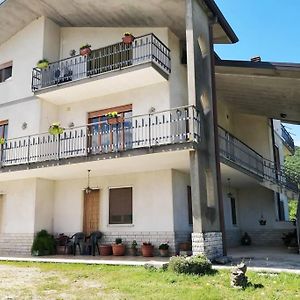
(15, 244)
(208, 243)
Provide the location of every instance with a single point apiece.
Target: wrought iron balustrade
(175, 126)
(147, 48)
(287, 139)
(236, 152)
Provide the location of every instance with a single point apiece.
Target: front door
(91, 209)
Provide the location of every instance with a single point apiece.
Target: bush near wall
(198, 264)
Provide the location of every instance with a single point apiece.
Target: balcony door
(107, 135)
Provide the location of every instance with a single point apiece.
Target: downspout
(216, 139)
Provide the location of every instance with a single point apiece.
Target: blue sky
(268, 28)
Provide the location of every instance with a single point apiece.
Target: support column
(204, 167)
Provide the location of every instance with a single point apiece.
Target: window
(5, 71)
(189, 202)
(233, 210)
(120, 205)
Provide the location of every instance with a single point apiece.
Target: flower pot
(133, 251)
(128, 39)
(105, 250)
(43, 65)
(115, 120)
(118, 249)
(164, 252)
(85, 51)
(147, 250)
(186, 246)
(61, 250)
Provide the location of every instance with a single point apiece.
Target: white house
(189, 156)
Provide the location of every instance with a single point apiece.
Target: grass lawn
(77, 281)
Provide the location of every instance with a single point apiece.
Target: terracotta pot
(133, 251)
(105, 250)
(128, 39)
(186, 246)
(60, 250)
(164, 252)
(118, 249)
(147, 250)
(115, 120)
(85, 51)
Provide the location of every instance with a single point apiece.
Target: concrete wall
(44, 202)
(25, 48)
(152, 202)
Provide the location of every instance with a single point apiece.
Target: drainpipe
(216, 138)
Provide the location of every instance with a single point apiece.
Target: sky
(266, 28)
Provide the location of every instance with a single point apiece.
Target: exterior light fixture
(88, 189)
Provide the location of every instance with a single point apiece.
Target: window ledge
(120, 225)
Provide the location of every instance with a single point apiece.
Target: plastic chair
(94, 239)
(77, 239)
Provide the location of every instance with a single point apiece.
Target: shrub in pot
(85, 50)
(56, 129)
(43, 244)
(147, 249)
(42, 64)
(118, 248)
(291, 241)
(246, 239)
(164, 249)
(2, 141)
(128, 38)
(61, 242)
(133, 249)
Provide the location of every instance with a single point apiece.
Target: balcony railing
(234, 151)
(147, 48)
(287, 139)
(175, 126)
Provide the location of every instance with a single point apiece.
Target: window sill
(120, 225)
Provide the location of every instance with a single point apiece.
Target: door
(3, 134)
(91, 209)
(107, 137)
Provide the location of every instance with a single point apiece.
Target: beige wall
(18, 211)
(152, 202)
(25, 48)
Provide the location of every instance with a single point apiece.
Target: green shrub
(43, 244)
(198, 264)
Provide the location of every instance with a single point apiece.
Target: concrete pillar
(206, 236)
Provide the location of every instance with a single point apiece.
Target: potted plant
(105, 250)
(42, 64)
(2, 141)
(118, 248)
(85, 50)
(43, 244)
(164, 249)
(246, 239)
(62, 246)
(147, 249)
(262, 221)
(56, 129)
(113, 118)
(128, 38)
(133, 249)
(290, 240)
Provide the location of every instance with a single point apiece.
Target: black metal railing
(147, 48)
(175, 126)
(287, 139)
(237, 152)
(234, 151)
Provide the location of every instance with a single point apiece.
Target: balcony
(168, 130)
(111, 69)
(287, 140)
(240, 156)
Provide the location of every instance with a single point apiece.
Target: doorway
(91, 210)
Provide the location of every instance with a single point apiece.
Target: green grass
(77, 281)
